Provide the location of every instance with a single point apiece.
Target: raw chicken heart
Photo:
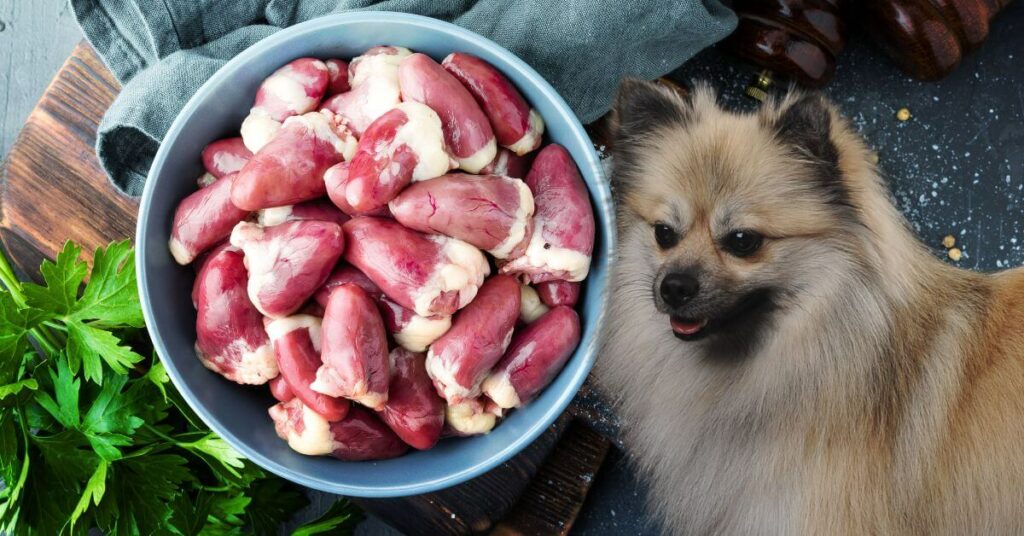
(414, 411)
(229, 331)
(460, 360)
(432, 275)
(288, 262)
(355, 349)
(490, 212)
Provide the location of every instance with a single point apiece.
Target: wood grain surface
(556, 493)
(53, 189)
(475, 506)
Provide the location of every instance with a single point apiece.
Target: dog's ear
(805, 123)
(641, 107)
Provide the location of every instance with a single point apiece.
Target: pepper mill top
(800, 40)
(795, 39)
(927, 39)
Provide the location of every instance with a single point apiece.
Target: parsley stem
(216, 489)
(49, 347)
(10, 281)
(162, 435)
(55, 339)
(190, 445)
(45, 339)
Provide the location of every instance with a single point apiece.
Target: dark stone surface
(615, 505)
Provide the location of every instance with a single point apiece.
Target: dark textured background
(956, 167)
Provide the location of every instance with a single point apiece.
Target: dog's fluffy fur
(854, 383)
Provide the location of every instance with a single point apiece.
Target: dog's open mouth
(742, 319)
(687, 328)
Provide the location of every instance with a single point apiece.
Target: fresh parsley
(93, 434)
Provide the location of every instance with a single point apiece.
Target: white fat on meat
(462, 268)
(469, 418)
(523, 215)
(531, 138)
(257, 130)
(531, 308)
(283, 326)
(421, 331)
(306, 431)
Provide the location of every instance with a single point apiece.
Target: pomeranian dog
(786, 357)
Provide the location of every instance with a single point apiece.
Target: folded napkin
(163, 50)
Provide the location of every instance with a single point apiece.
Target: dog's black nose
(679, 288)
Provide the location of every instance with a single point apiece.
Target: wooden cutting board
(52, 189)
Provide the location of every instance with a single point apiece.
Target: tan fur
(888, 397)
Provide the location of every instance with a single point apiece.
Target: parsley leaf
(89, 345)
(12, 389)
(10, 505)
(139, 493)
(111, 419)
(10, 443)
(90, 439)
(111, 299)
(157, 374)
(146, 400)
(219, 450)
(340, 518)
(15, 323)
(66, 388)
(274, 501)
(59, 466)
(94, 490)
(62, 281)
(226, 514)
(189, 517)
(14, 467)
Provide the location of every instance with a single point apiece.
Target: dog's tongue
(687, 327)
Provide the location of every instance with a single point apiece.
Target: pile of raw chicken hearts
(341, 258)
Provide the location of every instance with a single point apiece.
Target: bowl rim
(600, 191)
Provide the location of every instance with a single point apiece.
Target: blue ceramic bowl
(239, 414)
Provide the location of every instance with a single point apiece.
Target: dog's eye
(742, 243)
(665, 235)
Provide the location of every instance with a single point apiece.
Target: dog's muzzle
(678, 288)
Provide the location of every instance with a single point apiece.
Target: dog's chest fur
(713, 464)
(720, 475)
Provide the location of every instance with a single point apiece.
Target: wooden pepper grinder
(928, 38)
(799, 40)
(792, 39)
